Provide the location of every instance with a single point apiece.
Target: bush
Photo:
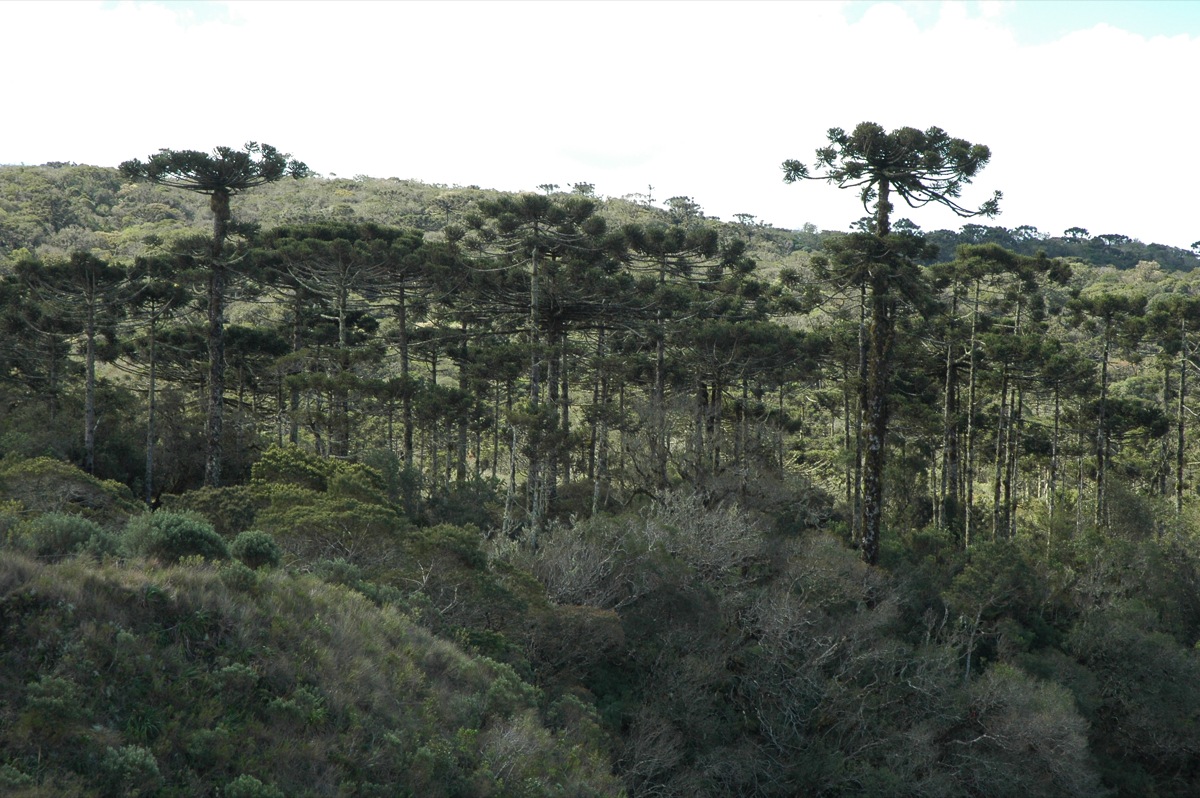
(170, 536)
(56, 535)
(230, 509)
(238, 577)
(256, 549)
(44, 484)
(246, 786)
(130, 770)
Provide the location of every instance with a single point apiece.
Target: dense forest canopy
(374, 487)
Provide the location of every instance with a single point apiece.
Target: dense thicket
(599, 455)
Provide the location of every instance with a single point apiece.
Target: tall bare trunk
(217, 275)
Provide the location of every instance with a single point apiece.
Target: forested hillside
(326, 486)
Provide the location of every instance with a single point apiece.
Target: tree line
(639, 457)
(565, 362)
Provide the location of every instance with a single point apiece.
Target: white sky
(1088, 107)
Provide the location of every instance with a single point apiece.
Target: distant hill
(59, 208)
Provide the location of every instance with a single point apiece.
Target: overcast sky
(1088, 107)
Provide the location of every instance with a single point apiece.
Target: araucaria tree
(218, 176)
(921, 167)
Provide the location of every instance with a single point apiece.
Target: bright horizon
(701, 99)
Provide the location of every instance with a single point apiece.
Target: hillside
(55, 209)
(384, 488)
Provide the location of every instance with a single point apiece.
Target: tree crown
(225, 171)
(922, 166)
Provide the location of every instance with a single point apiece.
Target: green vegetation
(384, 488)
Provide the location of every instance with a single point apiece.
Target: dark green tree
(671, 257)
(88, 292)
(1174, 320)
(1115, 317)
(157, 295)
(539, 247)
(350, 269)
(219, 176)
(921, 167)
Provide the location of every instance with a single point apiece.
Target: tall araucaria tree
(219, 176)
(920, 167)
(86, 291)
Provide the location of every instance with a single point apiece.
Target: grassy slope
(133, 679)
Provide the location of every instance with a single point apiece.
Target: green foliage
(56, 534)
(129, 771)
(310, 526)
(293, 466)
(256, 549)
(230, 509)
(247, 786)
(170, 536)
(716, 639)
(239, 577)
(126, 682)
(44, 484)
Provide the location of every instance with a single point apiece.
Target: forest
(317, 486)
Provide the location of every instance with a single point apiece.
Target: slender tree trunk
(1012, 472)
(875, 410)
(535, 496)
(1102, 437)
(1181, 418)
(406, 399)
(850, 440)
(293, 369)
(151, 410)
(857, 516)
(565, 409)
(89, 401)
(550, 486)
(876, 416)
(659, 443)
(594, 424)
(600, 425)
(496, 431)
(219, 203)
(950, 513)
(972, 381)
(1053, 490)
(463, 387)
(999, 461)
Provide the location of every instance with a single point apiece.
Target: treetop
(922, 166)
(226, 170)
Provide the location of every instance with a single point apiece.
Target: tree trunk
(972, 385)
(999, 463)
(406, 397)
(876, 410)
(951, 519)
(1181, 418)
(1102, 436)
(151, 409)
(463, 386)
(89, 401)
(219, 203)
(876, 413)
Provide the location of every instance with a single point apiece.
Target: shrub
(256, 549)
(246, 786)
(44, 484)
(56, 535)
(239, 577)
(291, 464)
(230, 509)
(130, 770)
(170, 536)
